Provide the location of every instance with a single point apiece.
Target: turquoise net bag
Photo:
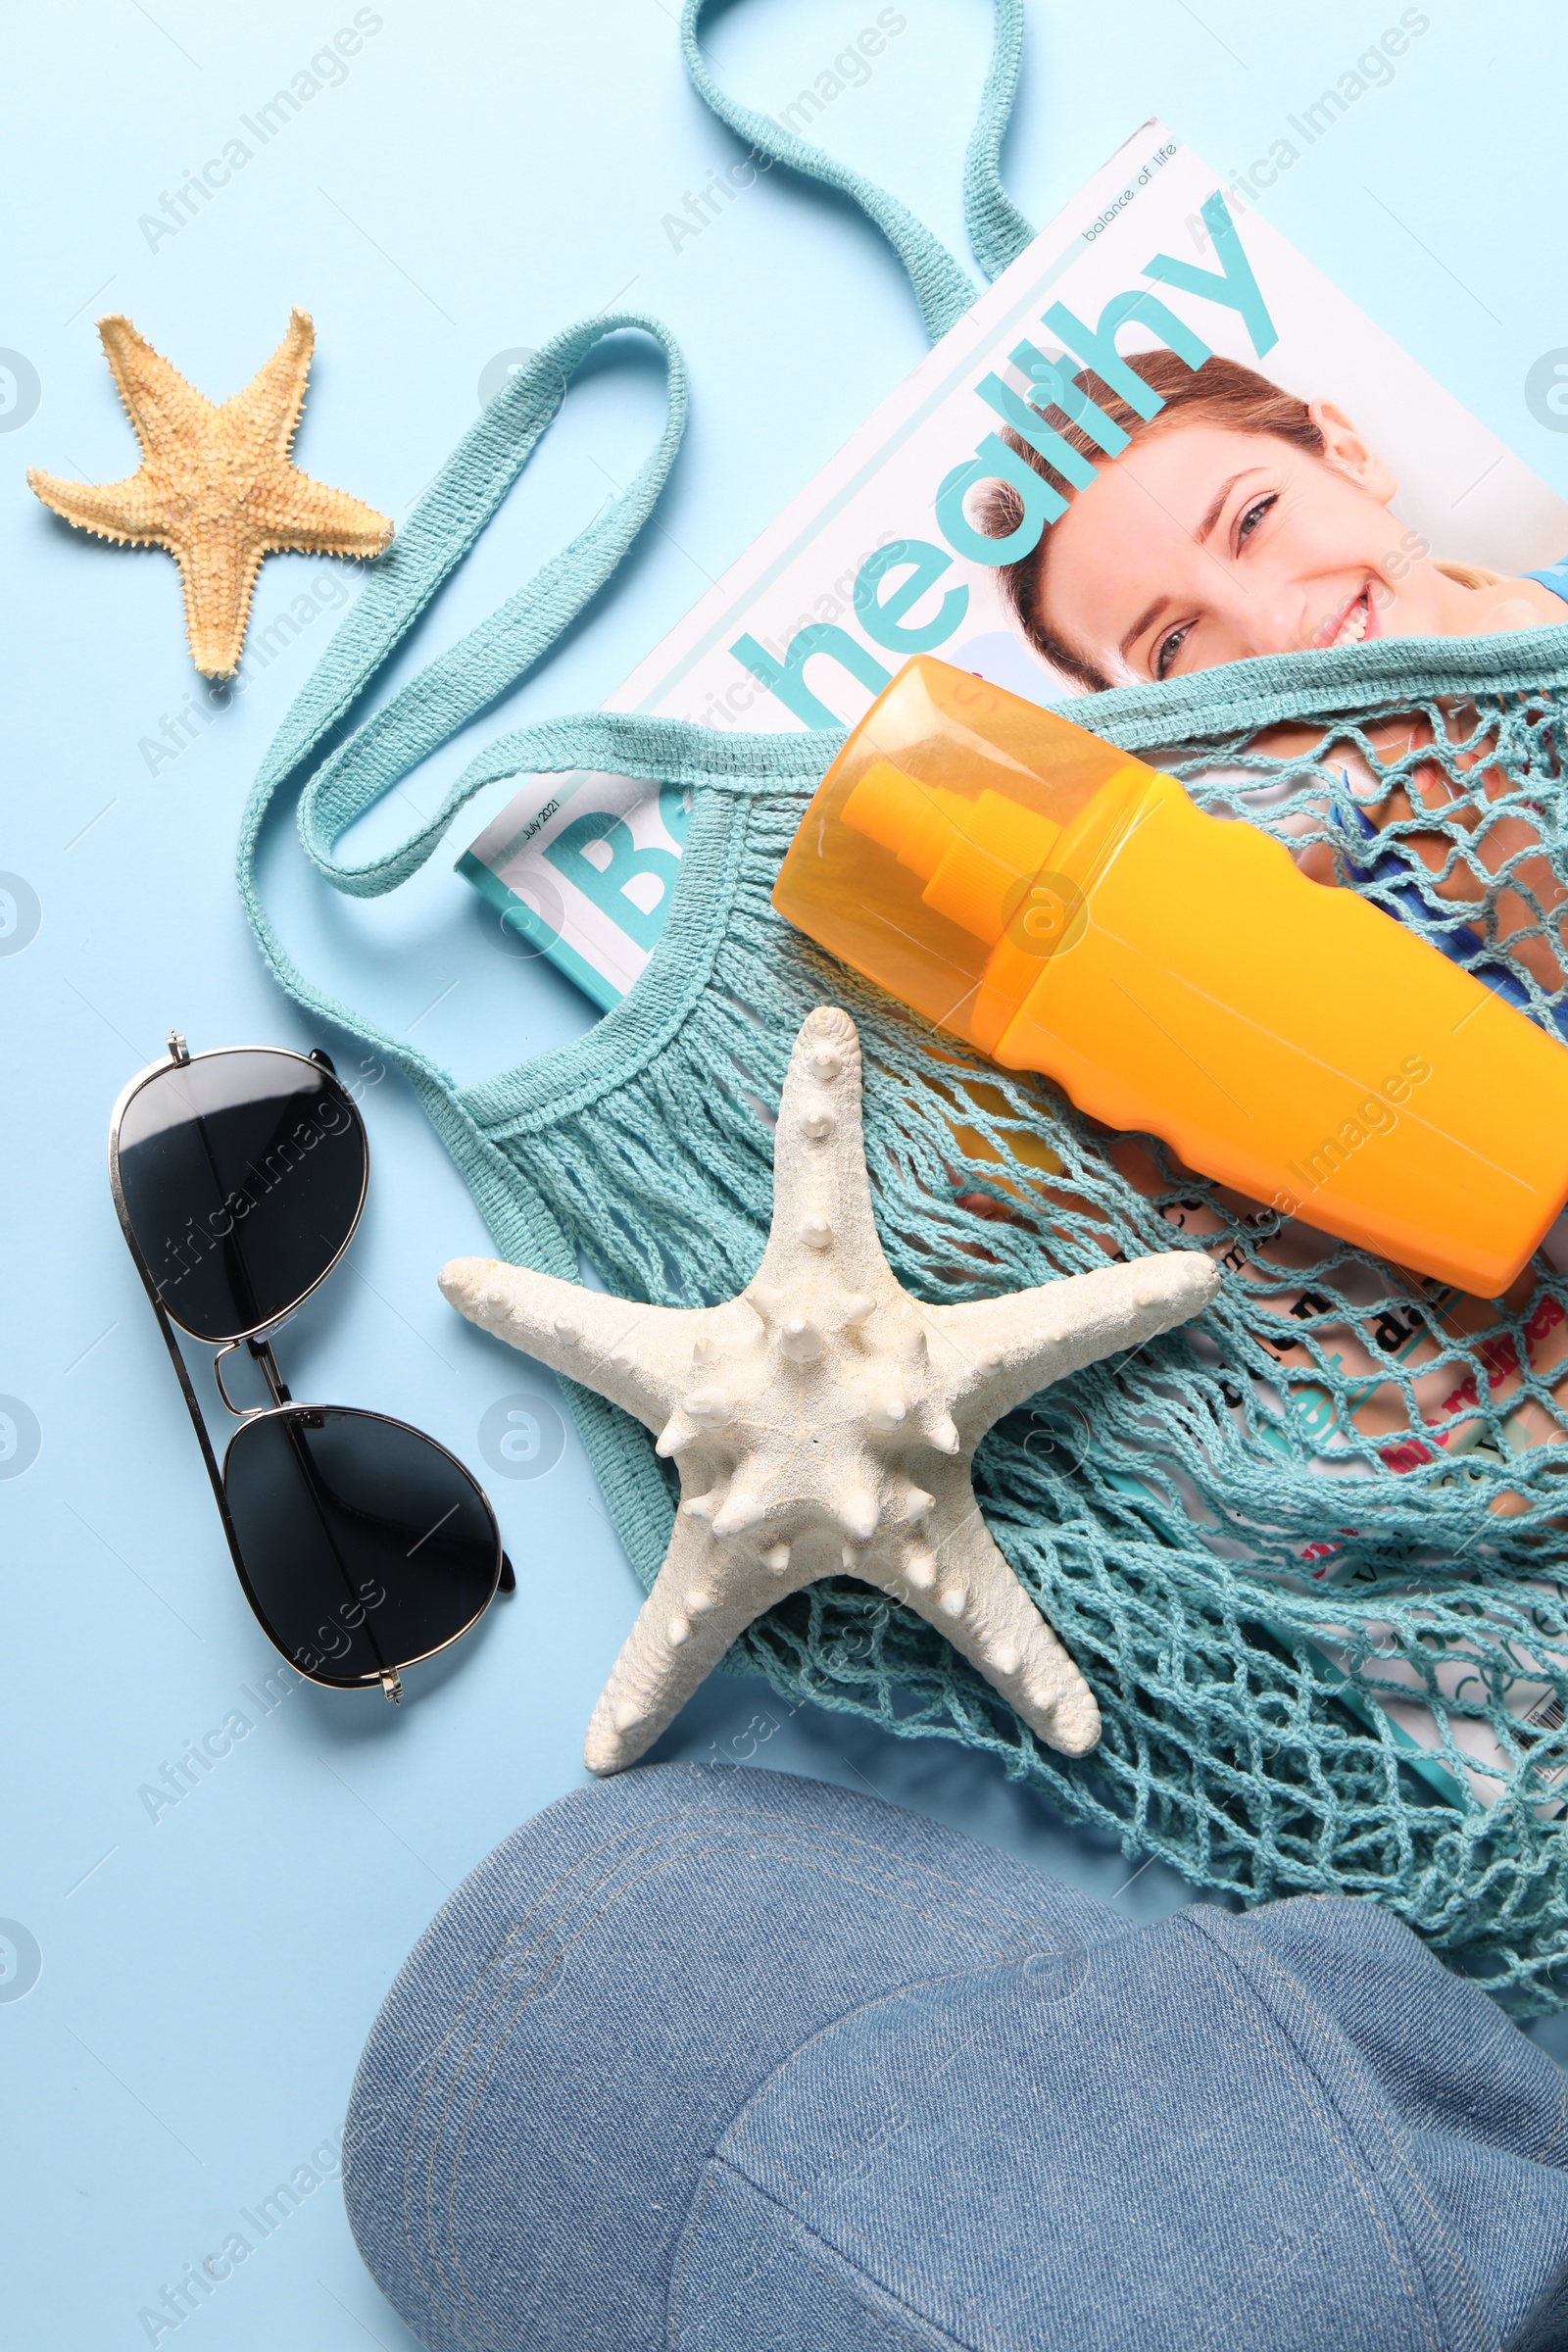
(1306, 1553)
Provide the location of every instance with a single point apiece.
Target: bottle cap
(934, 858)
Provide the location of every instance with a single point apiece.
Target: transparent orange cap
(943, 854)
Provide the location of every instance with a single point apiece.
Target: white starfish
(824, 1422)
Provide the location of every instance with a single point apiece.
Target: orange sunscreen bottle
(1066, 908)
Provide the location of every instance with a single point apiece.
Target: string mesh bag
(1308, 1550)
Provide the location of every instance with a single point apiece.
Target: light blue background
(482, 175)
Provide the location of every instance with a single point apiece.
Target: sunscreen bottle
(1064, 908)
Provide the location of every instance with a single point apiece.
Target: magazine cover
(1310, 486)
(941, 526)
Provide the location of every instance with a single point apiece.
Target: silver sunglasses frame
(283, 1407)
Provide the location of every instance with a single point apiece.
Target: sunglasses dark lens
(242, 1176)
(365, 1544)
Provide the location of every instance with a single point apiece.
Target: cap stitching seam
(881, 2000)
(1211, 1955)
(704, 2189)
(996, 2335)
(1299, 1995)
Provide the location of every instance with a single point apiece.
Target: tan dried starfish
(215, 487)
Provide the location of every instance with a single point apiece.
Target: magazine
(886, 554)
(974, 517)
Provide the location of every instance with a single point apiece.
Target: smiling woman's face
(1202, 545)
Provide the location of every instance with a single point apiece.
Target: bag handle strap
(452, 690)
(344, 782)
(997, 232)
(449, 517)
(345, 779)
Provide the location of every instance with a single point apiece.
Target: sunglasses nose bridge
(261, 1352)
(240, 1412)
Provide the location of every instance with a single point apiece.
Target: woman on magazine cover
(1240, 521)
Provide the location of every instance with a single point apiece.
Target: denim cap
(728, 2061)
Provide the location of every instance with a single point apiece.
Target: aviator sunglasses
(362, 1544)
